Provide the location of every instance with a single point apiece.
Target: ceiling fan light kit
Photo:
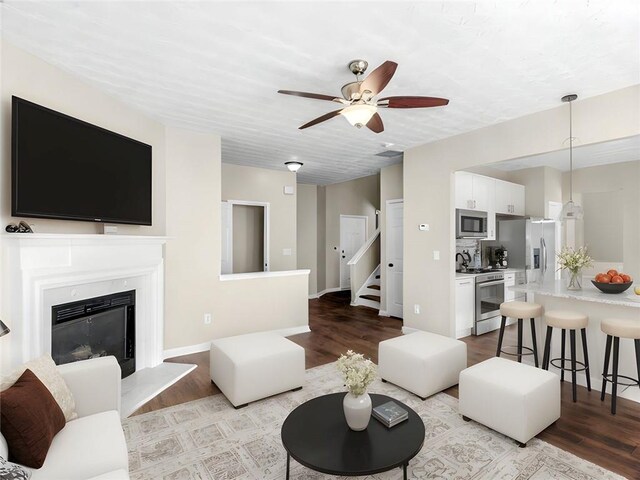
(293, 166)
(360, 106)
(571, 210)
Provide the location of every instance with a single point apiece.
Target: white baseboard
(383, 313)
(188, 350)
(408, 330)
(330, 290)
(205, 347)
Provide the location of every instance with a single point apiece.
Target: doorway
(394, 251)
(245, 236)
(353, 234)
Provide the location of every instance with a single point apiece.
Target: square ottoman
(512, 398)
(255, 366)
(423, 363)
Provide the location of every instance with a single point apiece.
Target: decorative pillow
(11, 471)
(29, 419)
(45, 369)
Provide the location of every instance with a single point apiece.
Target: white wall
(307, 232)
(428, 188)
(263, 185)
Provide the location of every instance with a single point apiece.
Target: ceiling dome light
(293, 166)
(359, 115)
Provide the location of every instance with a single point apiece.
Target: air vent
(389, 153)
(66, 313)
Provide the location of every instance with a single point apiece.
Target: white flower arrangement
(358, 372)
(574, 260)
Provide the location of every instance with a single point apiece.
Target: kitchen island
(597, 305)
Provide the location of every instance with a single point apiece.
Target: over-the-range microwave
(471, 224)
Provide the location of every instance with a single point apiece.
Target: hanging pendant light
(571, 210)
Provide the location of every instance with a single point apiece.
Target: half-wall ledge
(254, 275)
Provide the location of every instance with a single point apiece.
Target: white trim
(366, 234)
(331, 290)
(365, 246)
(205, 347)
(408, 330)
(383, 313)
(253, 275)
(395, 200)
(265, 241)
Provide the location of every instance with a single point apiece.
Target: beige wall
(356, 197)
(262, 185)
(623, 178)
(248, 238)
(28, 77)
(542, 185)
(390, 189)
(428, 188)
(307, 232)
(322, 239)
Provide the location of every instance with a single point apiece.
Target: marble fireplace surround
(42, 270)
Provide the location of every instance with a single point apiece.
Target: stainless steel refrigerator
(531, 245)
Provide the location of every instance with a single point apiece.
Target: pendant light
(571, 210)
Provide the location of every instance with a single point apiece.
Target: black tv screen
(68, 169)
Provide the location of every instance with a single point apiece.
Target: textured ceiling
(216, 66)
(605, 153)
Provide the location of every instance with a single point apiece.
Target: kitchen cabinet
(509, 281)
(465, 305)
(473, 192)
(509, 198)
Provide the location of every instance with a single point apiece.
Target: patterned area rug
(208, 439)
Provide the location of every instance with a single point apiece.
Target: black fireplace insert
(96, 327)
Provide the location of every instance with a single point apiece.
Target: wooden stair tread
(374, 287)
(373, 298)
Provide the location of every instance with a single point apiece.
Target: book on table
(390, 414)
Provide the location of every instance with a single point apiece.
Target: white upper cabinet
(509, 198)
(474, 192)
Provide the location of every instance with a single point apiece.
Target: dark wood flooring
(586, 429)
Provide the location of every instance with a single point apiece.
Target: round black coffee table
(317, 436)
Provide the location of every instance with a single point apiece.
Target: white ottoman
(423, 363)
(254, 366)
(512, 398)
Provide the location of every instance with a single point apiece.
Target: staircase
(369, 294)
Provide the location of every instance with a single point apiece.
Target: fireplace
(95, 327)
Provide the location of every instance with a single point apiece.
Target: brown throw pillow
(29, 419)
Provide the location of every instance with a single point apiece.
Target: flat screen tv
(65, 168)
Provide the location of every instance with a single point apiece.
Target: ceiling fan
(360, 106)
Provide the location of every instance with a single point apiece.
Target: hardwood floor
(586, 429)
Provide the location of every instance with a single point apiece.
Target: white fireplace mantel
(43, 270)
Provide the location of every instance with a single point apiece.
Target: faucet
(464, 262)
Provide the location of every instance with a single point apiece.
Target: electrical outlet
(416, 309)
(207, 319)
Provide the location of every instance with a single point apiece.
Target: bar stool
(520, 310)
(571, 321)
(616, 329)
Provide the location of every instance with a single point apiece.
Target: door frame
(265, 239)
(387, 290)
(366, 237)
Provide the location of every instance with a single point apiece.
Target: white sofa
(250, 367)
(91, 447)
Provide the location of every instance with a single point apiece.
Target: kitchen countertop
(589, 293)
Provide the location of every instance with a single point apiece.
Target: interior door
(353, 234)
(394, 267)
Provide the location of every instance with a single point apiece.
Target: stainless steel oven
(471, 224)
(489, 296)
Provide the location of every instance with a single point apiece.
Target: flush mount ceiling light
(293, 166)
(571, 210)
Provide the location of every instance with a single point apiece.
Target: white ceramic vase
(357, 410)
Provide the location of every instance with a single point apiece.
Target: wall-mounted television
(64, 168)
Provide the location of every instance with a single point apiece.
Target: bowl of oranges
(612, 281)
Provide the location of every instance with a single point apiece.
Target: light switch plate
(286, 252)
(436, 254)
(288, 190)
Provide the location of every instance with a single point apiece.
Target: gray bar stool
(571, 321)
(617, 328)
(520, 310)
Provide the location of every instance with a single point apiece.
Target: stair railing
(364, 262)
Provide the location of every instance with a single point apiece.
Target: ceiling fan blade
(379, 78)
(317, 96)
(323, 118)
(375, 124)
(413, 102)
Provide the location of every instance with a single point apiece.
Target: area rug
(208, 439)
